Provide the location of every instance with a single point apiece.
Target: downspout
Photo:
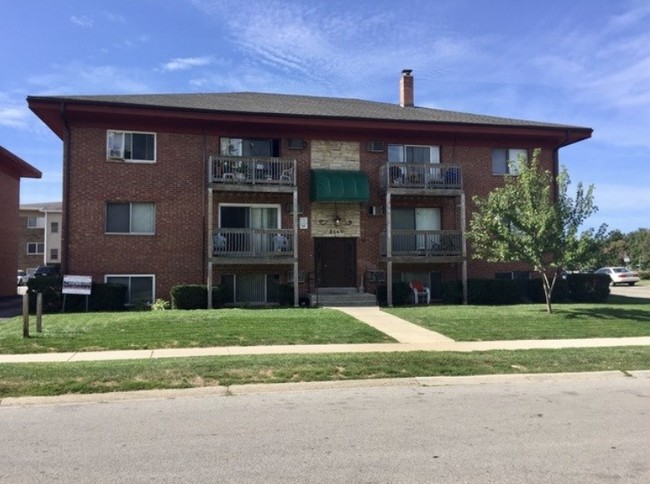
(65, 242)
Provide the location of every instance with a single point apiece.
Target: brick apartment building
(12, 169)
(39, 235)
(252, 190)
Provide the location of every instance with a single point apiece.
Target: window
(512, 275)
(35, 222)
(128, 146)
(54, 227)
(139, 288)
(54, 254)
(35, 248)
(130, 218)
(251, 288)
(250, 147)
(414, 154)
(506, 161)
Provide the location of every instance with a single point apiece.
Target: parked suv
(47, 271)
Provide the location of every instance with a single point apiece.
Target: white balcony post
(463, 238)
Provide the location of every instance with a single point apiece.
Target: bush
(452, 292)
(195, 296)
(285, 294)
(535, 291)
(593, 288)
(50, 287)
(103, 297)
(401, 294)
(494, 291)
(644, 275)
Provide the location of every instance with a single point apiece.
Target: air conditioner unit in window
(296, 144)
(375, 210)
(302, 276)
(376, 146)
(116, 154)
(376, 276)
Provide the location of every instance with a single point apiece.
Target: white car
(620, 275)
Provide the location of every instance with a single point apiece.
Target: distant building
(252, 191)
(39, 235)
(12, 169)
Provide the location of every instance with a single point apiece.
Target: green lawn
(185, 329)
(39, 379)
(619, 317)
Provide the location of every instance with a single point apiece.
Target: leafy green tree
(526, 221)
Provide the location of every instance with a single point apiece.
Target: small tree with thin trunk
(526, 221)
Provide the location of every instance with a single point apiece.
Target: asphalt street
(561, 429)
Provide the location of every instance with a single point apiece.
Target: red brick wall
(9, 193)
(176, 183)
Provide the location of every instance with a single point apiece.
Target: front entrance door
(336, 262)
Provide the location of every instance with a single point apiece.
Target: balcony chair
(420, 292)
(280, 243)
(218, 244)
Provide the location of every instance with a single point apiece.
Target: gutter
(66, 191)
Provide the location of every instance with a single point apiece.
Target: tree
(526, 221)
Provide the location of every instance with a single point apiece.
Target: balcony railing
(424, 243)
(252, 171)
(252, 243)
(422, 176)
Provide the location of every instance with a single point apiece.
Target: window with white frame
(507, 161)
(414, 153)
(54, 227)
(131, 146)
(35, 222)
(140, 289)
(35, 248)
(54, 254)
(251, 288)
(250, 147)
(130, 218)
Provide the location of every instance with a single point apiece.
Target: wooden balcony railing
(252, 171)
(425, 243)
(421, 176)
(252, 243)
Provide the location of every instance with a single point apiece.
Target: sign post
(76, 285)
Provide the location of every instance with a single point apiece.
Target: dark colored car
(47, 271)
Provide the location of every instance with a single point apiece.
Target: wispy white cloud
(82, 21)
(116, 18)
(14, 116)
(184, 63)
(79, 78)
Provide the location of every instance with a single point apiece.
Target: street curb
(258, 388)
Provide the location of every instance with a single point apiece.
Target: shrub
(494, 291)
(535, 291)
(160, 305)
(103, 297)
(50, 287)
(195, 296)
(645, 275)
(285, 294)
(452, 292)
(401, 294)
(588, 287)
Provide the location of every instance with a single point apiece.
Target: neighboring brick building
(39, 235)
(12, 169)
(161, 190)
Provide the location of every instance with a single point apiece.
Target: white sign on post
(77, 285)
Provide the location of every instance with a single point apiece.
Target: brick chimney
(406, 89)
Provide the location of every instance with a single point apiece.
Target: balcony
(236, 173)
(421, 178)
(253, 246)
(414, 246)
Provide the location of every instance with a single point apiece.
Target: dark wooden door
(336, 262)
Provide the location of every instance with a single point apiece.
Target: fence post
(26, 315)
(39, 312)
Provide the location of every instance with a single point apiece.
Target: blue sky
(580, 62)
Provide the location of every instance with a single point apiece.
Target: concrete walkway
(410, 337)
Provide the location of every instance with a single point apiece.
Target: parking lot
(642, 290)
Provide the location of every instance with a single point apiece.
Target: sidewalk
(410, 337)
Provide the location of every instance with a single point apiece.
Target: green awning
(339, 186)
